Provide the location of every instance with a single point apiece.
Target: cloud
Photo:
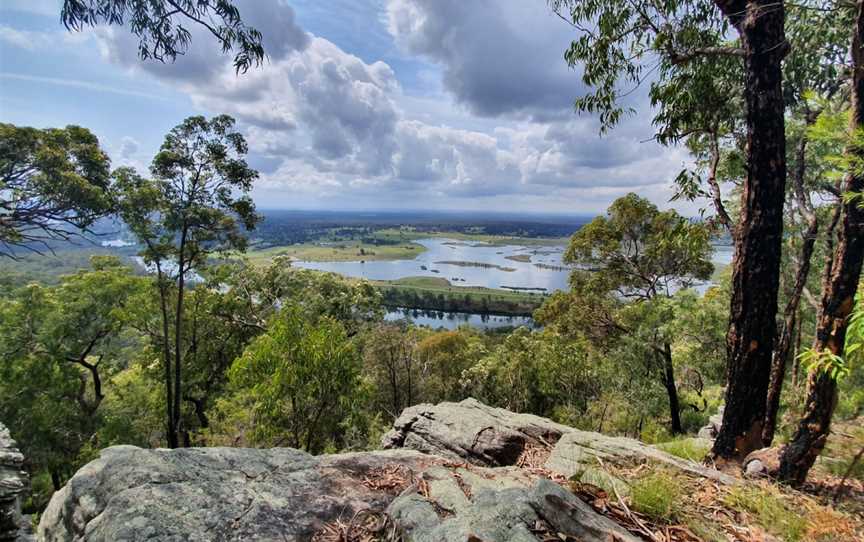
(323, 123)
(32, 40)
(128, 147)
(498, 57)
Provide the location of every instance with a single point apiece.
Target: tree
(60, 347)
(195, 206)
(625, 37)
(390, 360)
(826, 361)
(636, 253)
(53, 183)
(159, 25)
(302, 378)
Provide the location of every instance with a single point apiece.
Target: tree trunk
(171, 430)
(758, 237)
(178, 328)
(671, 390)
(790, 313)
(838, 298)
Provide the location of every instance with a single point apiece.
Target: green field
(338, 252)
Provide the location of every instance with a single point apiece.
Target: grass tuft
(686, 448)
(658, 496)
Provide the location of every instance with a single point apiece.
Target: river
(506, 273)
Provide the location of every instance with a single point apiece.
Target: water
(452, 320)
(524, 274)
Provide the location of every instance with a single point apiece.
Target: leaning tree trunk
(838, 299)
(790, 313)
(756, 267)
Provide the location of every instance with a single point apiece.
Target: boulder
(214, 494)
(452, 472)
(470, 431)
(13, 486)
(712, 428)
(488, 436)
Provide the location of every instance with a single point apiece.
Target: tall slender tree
(195, 205)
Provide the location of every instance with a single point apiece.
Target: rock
(130, 494)
(207, 494)
(514, 514)
(488, 436)
(712, 429)
(762, 462)
(13, 486)
(454, 472)
(470, 431)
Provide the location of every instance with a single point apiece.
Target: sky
(361, 104)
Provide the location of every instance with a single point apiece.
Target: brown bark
(758, 237)
(790, 314)
(837, 299)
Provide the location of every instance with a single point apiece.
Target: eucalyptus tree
(159, 28)
(826, 358)
(302, 378)
(61, 345)
(196, 205)
(54, 183)
(630, 42)
(629, 265)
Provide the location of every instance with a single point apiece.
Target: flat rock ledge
(451, 472)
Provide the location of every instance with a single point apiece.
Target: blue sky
(363, 104)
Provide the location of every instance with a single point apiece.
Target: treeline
(477, 303)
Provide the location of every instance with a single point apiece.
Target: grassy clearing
(338, 252)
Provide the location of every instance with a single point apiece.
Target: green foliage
(53, 183)
(61, 345)
(302, 378)
(658, 495)
(638, 251)
(159, 26)
(824, 361)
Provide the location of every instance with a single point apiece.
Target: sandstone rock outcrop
(13, 485)
(452, 472)
(488, 436)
